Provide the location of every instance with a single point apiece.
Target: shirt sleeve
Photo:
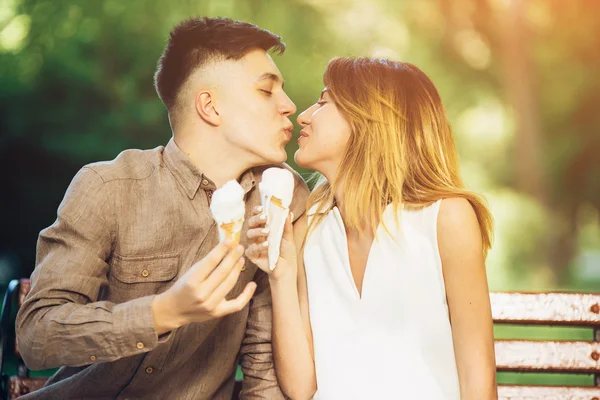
(61, 322)
(260, 381)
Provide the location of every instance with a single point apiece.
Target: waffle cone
(231, 231)
(277, 215)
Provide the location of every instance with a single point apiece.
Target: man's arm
(260, 381)
(61, 322)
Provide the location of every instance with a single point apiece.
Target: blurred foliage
(520, 81)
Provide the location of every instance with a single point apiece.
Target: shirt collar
(190, 178)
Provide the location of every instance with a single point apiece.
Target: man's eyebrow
(271, 76)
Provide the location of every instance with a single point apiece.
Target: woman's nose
(304, 117)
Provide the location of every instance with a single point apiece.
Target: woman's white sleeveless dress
(394, 342)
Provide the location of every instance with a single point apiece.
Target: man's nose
(288, 107)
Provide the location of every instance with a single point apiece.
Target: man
(132, 294)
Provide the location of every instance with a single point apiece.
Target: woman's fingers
(257, 221)
(257, 234)
(259, 255)
(255, 251)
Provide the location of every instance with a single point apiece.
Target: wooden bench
(22, 383)
(570, 357)
(553, 309)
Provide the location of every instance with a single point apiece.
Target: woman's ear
(206, 108)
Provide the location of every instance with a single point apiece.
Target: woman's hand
(257, 250)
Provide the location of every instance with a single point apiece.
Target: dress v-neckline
(359, 294)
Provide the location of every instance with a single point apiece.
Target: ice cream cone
(231, 231)
(228, 208)
(276, 189)
(277, 202)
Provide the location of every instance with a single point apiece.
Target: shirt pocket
(133, 277)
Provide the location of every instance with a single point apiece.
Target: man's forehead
(259, 64)
(253, 68)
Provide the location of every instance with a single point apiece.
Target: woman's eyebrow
(322, 94)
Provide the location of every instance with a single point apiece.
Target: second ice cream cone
(276, 192)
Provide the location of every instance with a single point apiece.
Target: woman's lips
(303, 135)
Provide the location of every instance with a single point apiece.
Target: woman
(380, 290)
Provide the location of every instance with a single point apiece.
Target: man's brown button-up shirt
(127, 230)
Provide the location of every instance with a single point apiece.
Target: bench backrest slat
(507, 392)
(546, 308)
(548, 356)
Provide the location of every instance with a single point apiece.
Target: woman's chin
(299, 159)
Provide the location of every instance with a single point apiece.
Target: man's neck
(215, 161)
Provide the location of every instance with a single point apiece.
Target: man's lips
(288, 132)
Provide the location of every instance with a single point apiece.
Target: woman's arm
(299, 234)
(463, 264)
(292, 336)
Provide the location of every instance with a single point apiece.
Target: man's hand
(199, 295)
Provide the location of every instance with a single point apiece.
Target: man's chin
(280, 156)
(276, 157)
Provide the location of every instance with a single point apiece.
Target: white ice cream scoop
(228, 209)
(276, 192)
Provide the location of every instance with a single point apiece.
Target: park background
(520, 80)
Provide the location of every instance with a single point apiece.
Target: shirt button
(93, 358)
(149, 370)
(140, 345)
(145, 273)
(205, 182)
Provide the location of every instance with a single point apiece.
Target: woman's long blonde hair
(401, 149)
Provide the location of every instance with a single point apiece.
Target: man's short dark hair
(197, 41)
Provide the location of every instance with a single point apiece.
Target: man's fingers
(226, 285)
(237, 304)
(202, 269)
(219, 274)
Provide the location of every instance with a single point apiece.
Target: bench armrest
(7, 331)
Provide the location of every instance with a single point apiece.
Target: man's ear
(206, 108)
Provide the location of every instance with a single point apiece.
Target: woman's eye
(321, 103)
(266, 91)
